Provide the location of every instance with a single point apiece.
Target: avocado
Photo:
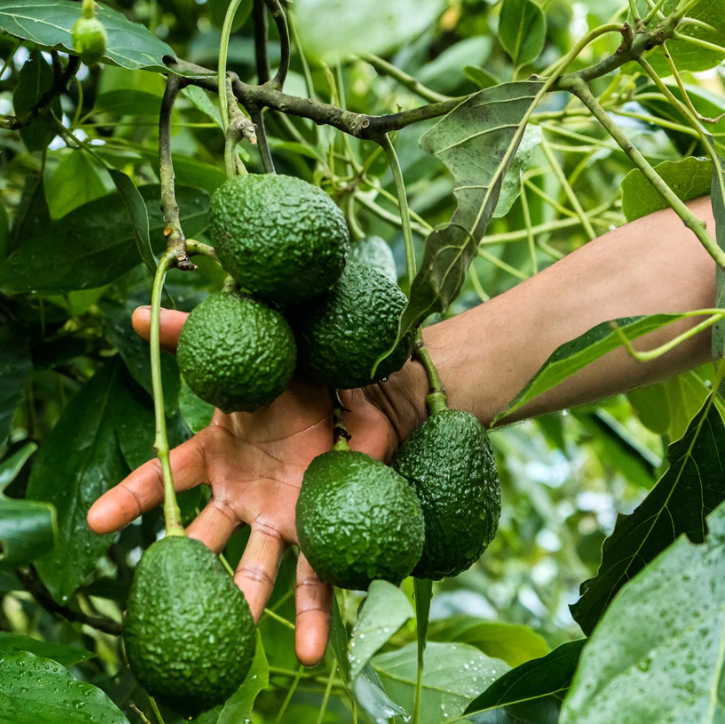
(188, 630)
(90, 39)
(449, 462)
(278, 236)
(358, 520)
(373, 251)
(341, 334)
(236, 353)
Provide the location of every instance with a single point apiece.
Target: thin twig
(280, 19)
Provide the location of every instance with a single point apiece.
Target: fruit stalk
(436, 400)
(88, 9)
(340, 435)
(172, 514)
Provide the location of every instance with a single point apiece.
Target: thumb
(171, 324)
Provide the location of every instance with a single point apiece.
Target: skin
(254, 462)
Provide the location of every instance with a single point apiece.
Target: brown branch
(61, 78)
(280, 19)
(34, 586)
(260, 41)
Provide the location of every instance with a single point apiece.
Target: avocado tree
(464, 146)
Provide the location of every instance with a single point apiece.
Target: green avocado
(358, 521)
(236, 353)
(341, 334)
(188, 631)
(90, 40)
(450, 464)
(374, 251)
(278, 236)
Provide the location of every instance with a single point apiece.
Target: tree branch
(260, 41)
(60, 85)
(32, 584)
(280, 19)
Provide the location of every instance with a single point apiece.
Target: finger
(214, 525)
(171, 322)
(314, 611)
(143, 489)
(257, 570)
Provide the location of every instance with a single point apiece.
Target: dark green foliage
(450, 464)
(340, 335)
(188, 632)
(358, 521)
(90, 40)
(279, 236)
(374, 251)
(236, 353)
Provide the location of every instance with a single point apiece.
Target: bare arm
(487, 355)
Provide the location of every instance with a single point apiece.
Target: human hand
(254, 463)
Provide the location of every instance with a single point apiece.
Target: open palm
(254, 463)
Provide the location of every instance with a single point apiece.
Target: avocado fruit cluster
(188, 631)
(358, 520)
(374, 252)
(449, 462)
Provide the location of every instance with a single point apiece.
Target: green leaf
(34, 80)
(423, 589)
(128, 102)
(693, 486)
(338, 641)
(511, 186)
(138, 216)
(35, 689)
(540, 680)
(481, 77)
(50, 23)
(79, 462)
(94, 244)
(202, 101)
(582, 351)
(11, 643)
(473, 141)
(218, 9)
(4, 233)
(194, 410)
(657, 654)
(32, 214)
(15, 367)
(333, 29)
(74, 183)
(445, 74)
(688, 178)
(513, 643)
(385, 609)
(27, 529)
(453, 675)
(685, 55)
(522, 30)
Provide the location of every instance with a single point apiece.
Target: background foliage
(75, 406)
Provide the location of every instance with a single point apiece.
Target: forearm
(488, 354)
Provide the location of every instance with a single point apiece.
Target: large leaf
(657, 655)
(543, 680)
(35, 689)
(582, 351)
(11, 643)
(385, 609)
(50, 23)
(15, 366)
(334, 28)
(32, 213)
(27, 528)
(74, 183)
(477, 142)
(688, 56)
(513, 643)
(688, 178)
(34, 80)
(79, 462)
(453, 675)
(522, 30)
(693, 486)
(196, 413)
(94, 244)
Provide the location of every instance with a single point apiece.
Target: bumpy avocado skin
(341, 334)
(358, 521)
(374, 252)
(236, 353)
(278, 236)
(188, 631)
(450, 464)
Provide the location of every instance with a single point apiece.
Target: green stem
(289, 696)
(195, 247)
(389, 149)
(699, 42)
(88, 9)
(436, 399)
(654, 11)
(340, 435)
(690, 220)
(155, 707)
(392, 197)
(222, 67)
(326, 697)
(407, 81)
(279, 619)
(172, 514)
(352, 222)
(385, 215)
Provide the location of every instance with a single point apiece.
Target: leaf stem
(155, 707)
(172, 514)
(690, 220)
(222, 66)
(290, 694)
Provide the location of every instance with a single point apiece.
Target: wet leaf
(15, 366)
(11, 643)
(194, 410)
(34, 80)
(74, 183)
